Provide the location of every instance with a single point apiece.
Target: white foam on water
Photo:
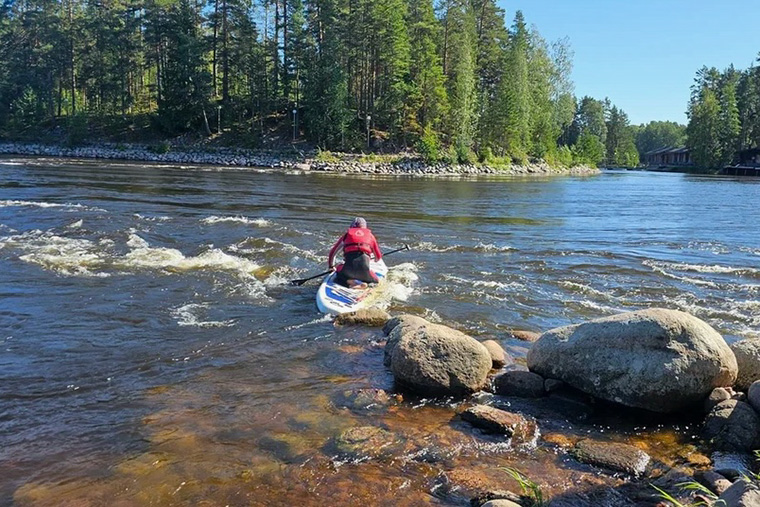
(160, 218)
(660, 267)
(39, 204)
(66, 256)
(701, 268)
(245, 247)
(259, 222)
(427, 246)
(399, 284)
(488, 247)
(490, 284)
(75, 225)
(143, 255)
(190, 315)
(324, 318)
(586, 289)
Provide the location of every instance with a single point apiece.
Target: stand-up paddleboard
(335, 298)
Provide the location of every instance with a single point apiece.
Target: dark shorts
(356, 267)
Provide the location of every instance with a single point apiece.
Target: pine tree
(427, 101)
(461, 77)
(513, 111)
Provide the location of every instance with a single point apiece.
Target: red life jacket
(358, 239)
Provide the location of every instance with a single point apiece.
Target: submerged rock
(499, 356)
(437, 360)
(366, 441)
(372, 317)
(615, 456)
(659, 360)
(732, 426)
(524, 384)
(494, 420)
(366, 400)
(526, 336)
(747, 354)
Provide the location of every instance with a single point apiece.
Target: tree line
(724, 115)
(453, 81)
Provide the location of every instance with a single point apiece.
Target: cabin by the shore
(668, 157)
(749, 163)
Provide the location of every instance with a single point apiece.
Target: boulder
(494, 420)
(432, 359)
(404, 319)
(372, 317)
(732, 426)
(659, 360)
(404, 323)
(524, 384)
(503, 502)
(499, 356)
(753, 395)
(615, 456)
(747, 354)
(717, 395)
(742, 493)
(552, 384)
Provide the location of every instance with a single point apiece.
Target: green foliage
(660, 134)
(485, 154)
(464, 154)
(326, 156)
(77, 129)
(589, 150)
(529, 488)
(160, 148)
(447, 82)
(429, 146)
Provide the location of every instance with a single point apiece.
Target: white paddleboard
(335, 298)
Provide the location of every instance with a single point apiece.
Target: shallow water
(154, 353)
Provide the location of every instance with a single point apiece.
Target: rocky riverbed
(232, 157)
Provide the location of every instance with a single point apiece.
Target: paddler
(359, 246)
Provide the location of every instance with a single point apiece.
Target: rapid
(154, 352)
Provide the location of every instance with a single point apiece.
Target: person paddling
(358, 244)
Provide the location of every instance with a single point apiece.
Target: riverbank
(299, 161)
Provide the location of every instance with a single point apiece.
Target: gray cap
(359, 222)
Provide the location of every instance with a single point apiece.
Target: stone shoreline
(235, 157)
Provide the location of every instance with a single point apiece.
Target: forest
(724, 115)
(453, 81)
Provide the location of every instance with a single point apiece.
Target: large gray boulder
(747, 354)
(656, 359)
(437, 360)
(404, 323)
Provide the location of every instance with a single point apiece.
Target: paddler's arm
(376, 249)
(334, 252)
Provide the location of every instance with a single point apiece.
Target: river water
(153, 352)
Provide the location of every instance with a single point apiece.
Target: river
(153, 352)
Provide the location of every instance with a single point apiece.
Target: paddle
(301, 281)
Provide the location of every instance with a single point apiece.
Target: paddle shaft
(301, 281)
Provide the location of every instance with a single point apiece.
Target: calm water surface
(152, 351)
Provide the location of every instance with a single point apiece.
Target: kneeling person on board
(357, 243)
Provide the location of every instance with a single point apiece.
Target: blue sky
(643, 54)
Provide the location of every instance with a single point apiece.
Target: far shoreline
(287, 161)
